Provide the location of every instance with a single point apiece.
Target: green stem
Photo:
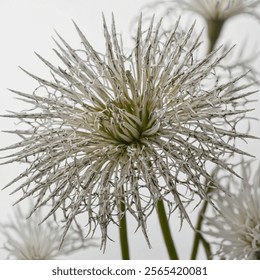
(166, 231)
(198, 237)
(123, 234)
(207, 248)
(214, 30)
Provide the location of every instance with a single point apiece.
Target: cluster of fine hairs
(120, 132)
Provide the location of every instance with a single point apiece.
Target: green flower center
(130, 117)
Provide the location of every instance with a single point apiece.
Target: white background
(29, 270)
(27, 26)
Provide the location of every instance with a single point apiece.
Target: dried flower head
(221, 9)
(131, 129)
(27, 239)
(237, 225)
(217, 10)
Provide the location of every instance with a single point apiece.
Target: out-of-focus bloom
(237, 225)
(215, 12)
(220, 9)
(133, 129)
(27, 239)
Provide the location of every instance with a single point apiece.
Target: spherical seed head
(236, 227)
(132, 129)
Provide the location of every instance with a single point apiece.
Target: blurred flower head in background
(27, 239)
(220, 9)
(237, 225)
(127, 128)
(215, 12)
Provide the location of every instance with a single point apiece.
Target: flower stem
(198, 236)
(123, 234)
(166, 231)
(214, 30)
